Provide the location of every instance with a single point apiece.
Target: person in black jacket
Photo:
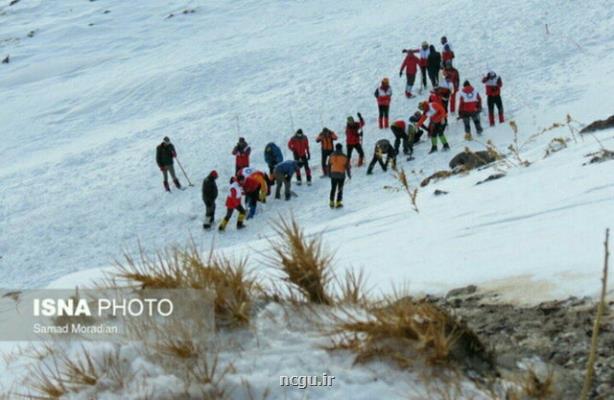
(383, 147)
(165, 153)
(433, 64)
(209, 196)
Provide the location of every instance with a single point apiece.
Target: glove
(308, 156)
(400, 74)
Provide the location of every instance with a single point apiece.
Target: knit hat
(339, 147)
(213, 174)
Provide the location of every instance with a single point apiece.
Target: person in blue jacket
(283, 175)
(272, 156)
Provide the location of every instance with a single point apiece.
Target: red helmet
(213, 174)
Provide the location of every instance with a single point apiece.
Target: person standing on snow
(209, 195)
(165, 155)
(383, 148)
(493, 96)
(252, 188)
(299, 145)
(410, 65)
(353, 134)
(470, 107)
(433, 65)
(339, 166)
(451, 74)
(435, 113)
(423, 62)
(383, 94)
(283, 177)
(326, 138)
(446, 53)
(272, 156)
(398, 128)
(233, 202)
(241, 152)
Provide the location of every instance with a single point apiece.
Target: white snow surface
(83, 108)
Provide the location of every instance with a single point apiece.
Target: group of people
(430, 118)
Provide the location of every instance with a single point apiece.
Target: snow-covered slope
(90, 95)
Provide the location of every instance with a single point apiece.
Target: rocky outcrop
(599, 125)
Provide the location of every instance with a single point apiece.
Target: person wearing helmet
(353, 134)
(446, 53)
(241, 152)
(436, 114)
(209, 195)
(410, 65)
(383, 94)
(165, 154)
(493, 96)
(433, 65)
(339, 167)
(299, 145)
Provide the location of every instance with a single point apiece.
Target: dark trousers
(305, 162)
(476, 120)
(285, 181)
(336, 186)
(252, 202)
(411, 78)
(423, 73)
(358, 147)
(378, 159)
(434, 76)
(209, 212)
(493, 101)
(383, 111)
(325, 155)
(229, 212)
(401, 138)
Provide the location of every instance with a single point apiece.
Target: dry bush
(305, 265)
(436, 176)
(401, 176)
(64, 373)
(401, 329)
(532, 386)
(555, 145)
(353, 288)
(178, 268)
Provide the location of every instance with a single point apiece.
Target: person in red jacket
(444, 91)
(446, 53)
(383, 94)
(493, 96)
(410, 65)
(251, 186)
(469, 108)
(241, 152)
(299, 145)
(436, 114)
(233, 202)
(450, 73)
(353, 134)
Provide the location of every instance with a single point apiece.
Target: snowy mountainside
(86, 105)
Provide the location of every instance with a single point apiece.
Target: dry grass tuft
(178, 268)
(353, 288)
(402, 329)
(532, 386)
(305, 264)
(401, 176)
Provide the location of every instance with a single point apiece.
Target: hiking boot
(446, 147)
(299, 183)
(177, 184)
(468, 136)
(433, 149)
(339, 204)
(166, 187)
(240, 225)
(331, 204)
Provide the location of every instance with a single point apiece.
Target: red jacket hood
(468, 89)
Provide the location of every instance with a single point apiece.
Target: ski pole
(183, 170)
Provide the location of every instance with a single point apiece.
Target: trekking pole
(237, 125)
(183, 170)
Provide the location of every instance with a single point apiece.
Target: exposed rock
(6, 60)
(106, 11)
(470, 160)
(12, 3)
(492, 178)
(600, 156)
(438, 192)
(463, 291)
(436, 176)
(599, 125)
